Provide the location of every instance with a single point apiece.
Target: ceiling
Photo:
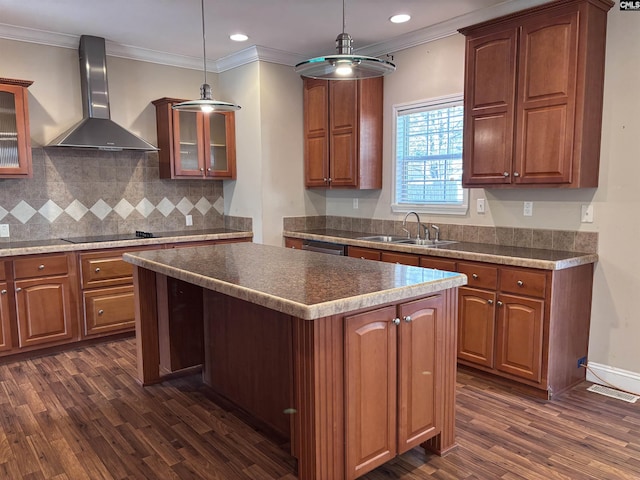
(283, 31)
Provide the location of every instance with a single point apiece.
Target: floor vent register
(610, 392)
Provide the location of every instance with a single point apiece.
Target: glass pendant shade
(205, 104)
(344, 65)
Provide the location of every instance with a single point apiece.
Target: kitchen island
(353, 361)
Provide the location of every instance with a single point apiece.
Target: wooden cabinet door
(489, 104)
(370, 390)
(295, 243)
(546, 99)
(5, 325)
(519, 336)
(43, 308)
(188, 144)
(316, 132)
(419, 371)
(15, 149)
(219, 144)
(343, 129)
(476, 325)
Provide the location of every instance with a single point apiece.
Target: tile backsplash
(86, 192)
(572, 241)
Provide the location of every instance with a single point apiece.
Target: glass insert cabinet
(195, 145)
(15, 138)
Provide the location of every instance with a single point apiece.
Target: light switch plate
(480, 205)
(586, 214)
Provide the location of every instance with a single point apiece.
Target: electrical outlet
(586, 215)
(528, 209)
(582, 362)
(355, 203)
(189, 220)
(480, 205)
(4, 230)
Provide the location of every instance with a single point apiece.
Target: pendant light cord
(204, 45)
(344, 18)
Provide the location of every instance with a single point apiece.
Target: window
(428, 157)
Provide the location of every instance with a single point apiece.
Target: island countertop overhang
(307, 285)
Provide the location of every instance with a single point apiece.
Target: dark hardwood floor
(80, 415)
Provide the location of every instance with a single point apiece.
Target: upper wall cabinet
(533, 97)
(15, 139)
(343, 133)
(195, 145)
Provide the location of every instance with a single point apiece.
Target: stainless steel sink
(426, 243)
(383, 238)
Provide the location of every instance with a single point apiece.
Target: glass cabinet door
(15, 142)
(187, 136)
(221, 144)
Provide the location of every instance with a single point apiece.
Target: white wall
(436, 69)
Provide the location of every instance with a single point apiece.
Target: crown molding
(265, 54)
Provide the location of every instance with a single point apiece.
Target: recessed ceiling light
(238, 37)
(400, 18)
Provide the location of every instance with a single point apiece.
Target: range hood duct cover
(96, 129)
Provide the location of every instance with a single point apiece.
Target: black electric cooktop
(110, 238)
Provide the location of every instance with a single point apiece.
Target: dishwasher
(324, 247)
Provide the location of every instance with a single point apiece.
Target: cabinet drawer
(40, 266)
(479, 276)
(103, 270)
(364, 253)
(524, 282)
(402, 258)
(438, 264)
(109, 310)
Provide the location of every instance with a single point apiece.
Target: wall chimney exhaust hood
(96, 129)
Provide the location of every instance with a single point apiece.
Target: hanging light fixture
(345, 65)
(205, 103)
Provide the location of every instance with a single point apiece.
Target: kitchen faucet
(436, 228)
(404, 224)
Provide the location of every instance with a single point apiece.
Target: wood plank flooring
(80, 415)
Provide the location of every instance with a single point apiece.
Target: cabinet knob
(520, 283)
(362, 258)
(202, 169)
(41, 267)
(490, 302)
(505, 174)
(396, 321)
(18, 289)
(325, 179)
(329, 179)
(209, 169)
(100, 312)
(516, 174)
(97, 269)
(408, 318)
(499, 303)
(3, 291)
(475, 276)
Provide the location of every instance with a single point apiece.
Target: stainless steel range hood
(96, 129)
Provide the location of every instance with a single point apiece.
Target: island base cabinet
(393, 381)
(5, 320)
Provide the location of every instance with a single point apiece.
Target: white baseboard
(614, 377)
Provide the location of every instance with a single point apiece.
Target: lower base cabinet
(393, 377)
(108, 310)
(5, 319)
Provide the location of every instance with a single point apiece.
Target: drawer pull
(100, 312)
(520, 283)
(97, 269)
(408, 318)
(475, 276)
(499, 303)
(18, 289)
(3, 291)
(40, 267)
(490, 302)
(396, 321)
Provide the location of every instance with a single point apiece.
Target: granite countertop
(479, 252)
(304, 284)
(10, 249)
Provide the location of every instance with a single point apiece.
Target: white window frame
(440, 209)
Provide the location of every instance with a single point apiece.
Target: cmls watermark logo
(630, 5)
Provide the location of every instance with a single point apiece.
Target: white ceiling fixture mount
(205, 104)
(345, 65)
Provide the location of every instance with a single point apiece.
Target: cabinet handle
(40, 267)
(18, 289)
(516, 174)
(475, 276)
(100, 312)
(505, 174)
(408, 319)
(3, 291)
(499, 303)
(396, 321)
(520, 283)
(490, 302)
(97, 269)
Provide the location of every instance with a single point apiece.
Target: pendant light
(345, 65)
(205, 104)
